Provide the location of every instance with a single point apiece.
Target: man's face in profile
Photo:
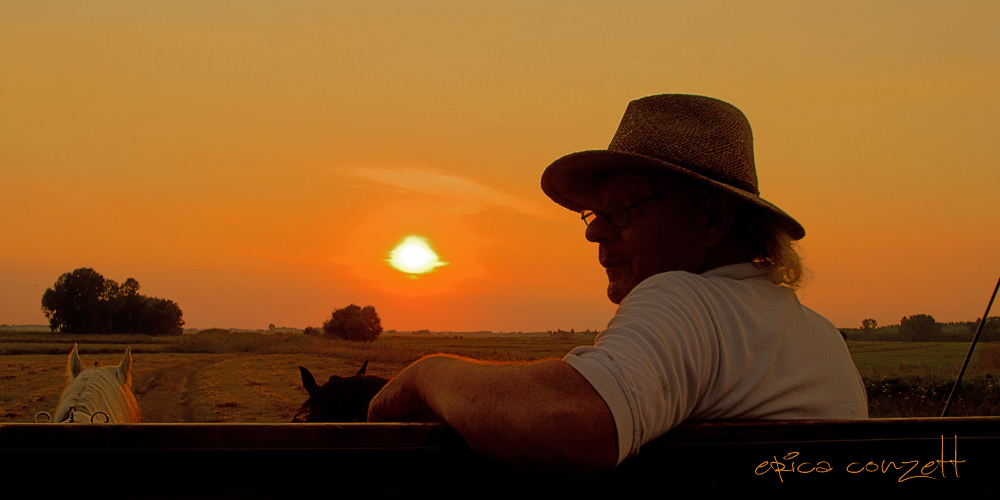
(661, 234)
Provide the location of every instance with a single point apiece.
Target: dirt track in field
(176, 388)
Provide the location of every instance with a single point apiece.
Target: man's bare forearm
(526, 414)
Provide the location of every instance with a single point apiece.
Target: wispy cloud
(467, 193)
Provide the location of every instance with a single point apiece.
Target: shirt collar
(742, 271)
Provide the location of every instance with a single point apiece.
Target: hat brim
(572, 181)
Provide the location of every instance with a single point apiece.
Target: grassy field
(913, 379)
(216, 376)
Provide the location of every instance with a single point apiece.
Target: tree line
(83, 301)
(924, 328)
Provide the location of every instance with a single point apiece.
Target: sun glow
(414, 255)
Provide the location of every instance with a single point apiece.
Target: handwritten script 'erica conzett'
(904, 470)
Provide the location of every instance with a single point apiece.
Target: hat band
(707, 173)
(715, 176)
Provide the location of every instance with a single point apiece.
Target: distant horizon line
(37, 327)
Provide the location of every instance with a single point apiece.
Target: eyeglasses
(620, 216)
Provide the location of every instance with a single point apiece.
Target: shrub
(354, 323)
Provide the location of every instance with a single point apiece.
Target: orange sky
(256, 163)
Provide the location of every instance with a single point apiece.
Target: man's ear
(718, 212)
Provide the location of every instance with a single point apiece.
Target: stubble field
(218, 376)
(228, 377)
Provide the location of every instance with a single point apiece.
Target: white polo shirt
(724, 345)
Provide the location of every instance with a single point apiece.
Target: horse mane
(92, 390)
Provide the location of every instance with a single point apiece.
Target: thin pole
(975, 339)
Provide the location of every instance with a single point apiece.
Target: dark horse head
(340, 399)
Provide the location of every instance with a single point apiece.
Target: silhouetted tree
(124, 306)
(83, 301)
(161, 317)
(869, 324)
(73, 304)
(919, 328)
(354, 323)
(561, 335)
(991, 330)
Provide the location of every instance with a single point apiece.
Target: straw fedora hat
(696, 136)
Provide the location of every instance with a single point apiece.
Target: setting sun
(290, 151)
(414, 255)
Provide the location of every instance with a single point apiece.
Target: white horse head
(98, 395)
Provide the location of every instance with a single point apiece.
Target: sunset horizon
(266, 165)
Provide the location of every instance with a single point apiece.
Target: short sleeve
(651, 365)
(599, 370)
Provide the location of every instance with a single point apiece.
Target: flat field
(252, 377)
(913, 379)
(229, 377)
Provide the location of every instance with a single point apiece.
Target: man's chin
(617, 292)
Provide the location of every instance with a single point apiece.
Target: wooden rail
(943, 457)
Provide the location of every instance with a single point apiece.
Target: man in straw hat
(708, 325)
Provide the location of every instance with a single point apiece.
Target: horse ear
(364, 368)
(75, 364)
(309, 382)
(125, 368)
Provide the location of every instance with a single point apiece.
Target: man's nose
(599, 230)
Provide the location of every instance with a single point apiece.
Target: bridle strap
(72, 416)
